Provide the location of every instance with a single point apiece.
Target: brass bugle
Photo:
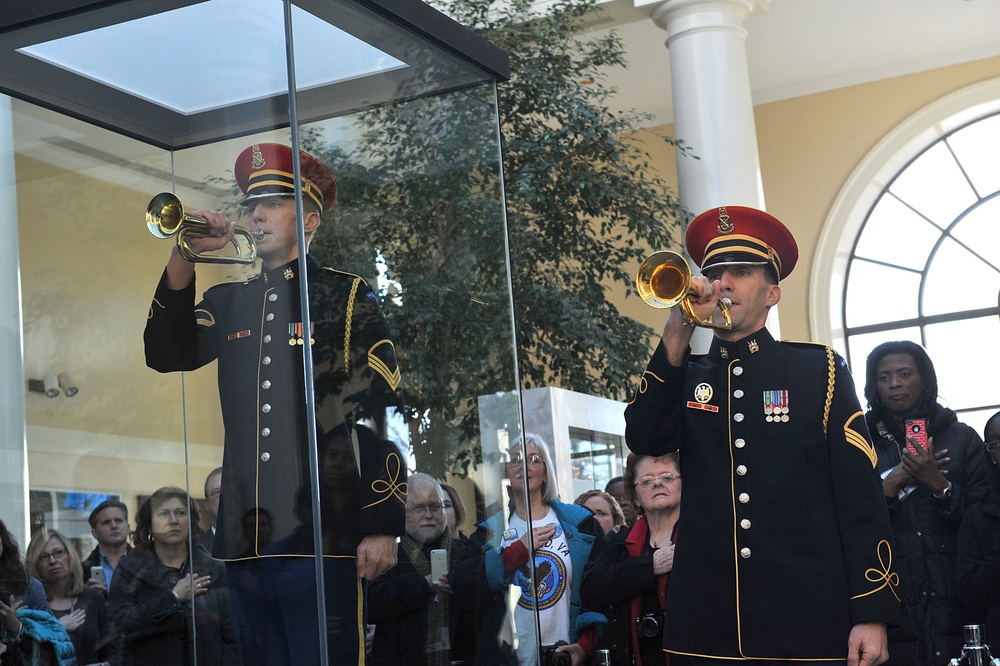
(664, 280)
(165, 218)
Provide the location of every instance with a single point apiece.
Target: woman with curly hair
(168, 599)
(631, 573)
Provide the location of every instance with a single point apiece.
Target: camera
(650, 625)
(549, 657)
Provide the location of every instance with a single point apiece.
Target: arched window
(919, 254)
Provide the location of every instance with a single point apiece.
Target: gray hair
(420, 477)
(550, 489)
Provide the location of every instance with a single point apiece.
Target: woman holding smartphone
(927, 488)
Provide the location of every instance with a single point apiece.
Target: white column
(713, 108)
(13, 444)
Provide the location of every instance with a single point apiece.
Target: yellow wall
(79, 235)
(88, 271)
(808, 148)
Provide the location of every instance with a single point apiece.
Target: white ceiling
(800, 47)
(794, 48)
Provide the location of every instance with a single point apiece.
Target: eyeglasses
(421, 509)
(57, 554)
(534, 460)
(648, 481)
(993, 445)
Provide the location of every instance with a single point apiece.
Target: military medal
(776, 406)
(702, 394)
(295, 333)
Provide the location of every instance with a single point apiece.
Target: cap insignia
(258, 158)
(753, 346)
(725, 226)
(289, 273)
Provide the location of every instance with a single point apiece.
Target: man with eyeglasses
(784, 549)
(417, 619)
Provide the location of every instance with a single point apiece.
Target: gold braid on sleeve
(347, 326)
(391, 486)
(644, 384)
(830, 383)
(883, 575)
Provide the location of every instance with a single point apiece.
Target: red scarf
(635, 542)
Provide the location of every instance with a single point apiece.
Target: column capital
(681, 16)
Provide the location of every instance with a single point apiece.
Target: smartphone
(439, 563)
(97, 573)
(916, 429)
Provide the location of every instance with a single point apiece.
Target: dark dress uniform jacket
(254, 330)
(783, 537)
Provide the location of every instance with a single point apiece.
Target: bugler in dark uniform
(783, 539)
(255, 331)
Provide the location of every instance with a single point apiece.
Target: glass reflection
(438, 271)
(168, 598)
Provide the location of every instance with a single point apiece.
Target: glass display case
(104, 105)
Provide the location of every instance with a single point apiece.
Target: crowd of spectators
(590, 576)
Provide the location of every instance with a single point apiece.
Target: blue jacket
(582, 531)
(44, 629)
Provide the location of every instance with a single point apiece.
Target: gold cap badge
(258, 158)
(725, 226)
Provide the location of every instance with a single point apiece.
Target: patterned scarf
(438, 645)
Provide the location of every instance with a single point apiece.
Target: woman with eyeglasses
(22, 606)
(169, 600)
(81, 610)
(631, 573)
(927, 490)
(560, 538)
(977, 566)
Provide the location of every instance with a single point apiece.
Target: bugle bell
(664, 280)
(165, 218)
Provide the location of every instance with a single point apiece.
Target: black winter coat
(925, 532)
(397, 606)
(155, 629)
(977, 565)
(611, 582)
(484, 608)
